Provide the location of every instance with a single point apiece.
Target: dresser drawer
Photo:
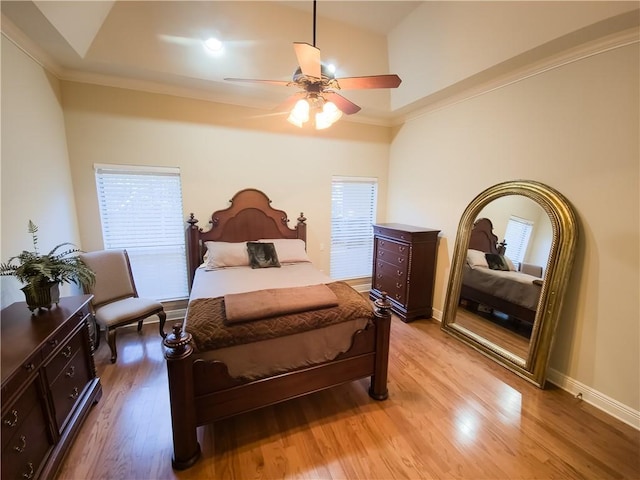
(393, 247)
(14, 416)
(68, 387)
(27, 447)
(63, 332)
(391, 272)
(395, 288)
(396, 254)
(20, 377)
(61, 358)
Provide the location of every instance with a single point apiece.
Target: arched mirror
(511, 264)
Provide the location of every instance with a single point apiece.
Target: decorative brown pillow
(496, 262)
(262, 255)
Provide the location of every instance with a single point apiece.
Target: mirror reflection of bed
(500, 292)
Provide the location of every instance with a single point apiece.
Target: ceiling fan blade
(345, 106)
(308, 59)
(268, 82)
(374, 81)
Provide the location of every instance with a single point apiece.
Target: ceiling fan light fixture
(300, 113)
(329, 115)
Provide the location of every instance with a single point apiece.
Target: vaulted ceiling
(437, 48)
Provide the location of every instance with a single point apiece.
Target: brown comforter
(206, 320)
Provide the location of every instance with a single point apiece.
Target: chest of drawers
(49, 382)
(404, 259)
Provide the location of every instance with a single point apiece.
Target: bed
(221, 363)
(490, 279)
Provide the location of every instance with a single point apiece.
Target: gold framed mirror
(505, 301)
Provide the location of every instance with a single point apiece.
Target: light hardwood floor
(451, 413)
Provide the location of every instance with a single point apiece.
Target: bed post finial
(194, 257)
(301, 227)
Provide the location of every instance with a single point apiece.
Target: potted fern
(43, 273)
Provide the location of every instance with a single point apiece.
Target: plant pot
(41, 295)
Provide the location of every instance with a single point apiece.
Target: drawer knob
(29, 475)
(398, 285)
(53, 342)
(381, 254)
(74, 394)
(71, 372)
(29, 367)
(23, 444)
(12, 422)
(397, 296)
(400, 273)
(400, 259)
(382, 242)
(66, 353)
(401, 248)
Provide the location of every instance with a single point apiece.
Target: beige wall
(36, 180)
(219, 150)
(576, 129)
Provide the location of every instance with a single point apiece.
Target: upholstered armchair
(115, 298)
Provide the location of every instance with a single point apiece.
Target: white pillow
(226, 254)
(512, 267)
(476, 258)
(289, 250)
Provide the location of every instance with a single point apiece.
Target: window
(517, 238)
(141, 211)
(353, 212)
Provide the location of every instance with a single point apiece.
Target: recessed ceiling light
(213, 44)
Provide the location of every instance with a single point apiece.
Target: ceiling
(157, 45)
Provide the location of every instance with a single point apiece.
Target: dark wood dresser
(404, 260)
(49, 383)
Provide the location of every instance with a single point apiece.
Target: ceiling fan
(318, 87)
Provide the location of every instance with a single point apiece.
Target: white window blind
(517, 238)
(141, 211)
(353, 212)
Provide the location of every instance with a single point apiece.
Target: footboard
(202, 391)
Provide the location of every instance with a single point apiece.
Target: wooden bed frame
(482, 238)
(202, 391)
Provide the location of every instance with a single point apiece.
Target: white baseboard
(598, 399)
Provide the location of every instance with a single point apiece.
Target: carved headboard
(249, 217)
(482, 238)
